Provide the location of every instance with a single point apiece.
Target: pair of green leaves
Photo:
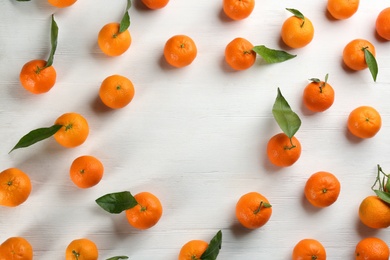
(287, 119)
(271, 55)
(383, 181)
(371, 63)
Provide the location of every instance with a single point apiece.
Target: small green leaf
(117, 202)
(371, 63)
(36, 135)
(296, 13)
(385, 196)
(213, 248)
(125, 22)
(315, 80)
(272, 56)
(287, 119)
(54, 38)
(118, 257)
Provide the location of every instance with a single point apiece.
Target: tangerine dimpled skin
(37, 79)
(15, 187)
(364, 122)
(297, 32)
(253, 210)
(180, 51)
(382, 24)
(111, 42)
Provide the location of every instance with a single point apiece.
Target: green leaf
(272, 56)
(315, 80)
(118, 257)
(125, 22)
(371, 62)
(117, 202)
(287, 119)
(213, 248)
(385, 196)
(54, 38)
(296, 13)
(36, 135)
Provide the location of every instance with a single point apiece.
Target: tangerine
(364, 122)
(354, 56)
(111, 42)
(180, 51)
(318, 96)
(309, 249)
(155, 4)
(74, 130)
(193, 250)
(238, 9)
(283, 151)
(342, 9)
(382, 24)
(374, 212)
(86, 171)
(253, 210)
(15, 187)
(297, 32)
(372, 248)
(146, 213)
(61, 3)
(239, 54)
(16, 248)
(37, 79)
(81, 249)
(322, 189)
(116, 91)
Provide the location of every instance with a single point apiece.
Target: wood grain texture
(195, 137)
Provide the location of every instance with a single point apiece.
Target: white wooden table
(195, 137)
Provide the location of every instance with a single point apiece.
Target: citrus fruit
(253, 210)
(193, 250)
(61, 3)
(155, 4)
(238, 9)
(297, 31)
(354, 56)
(16, 248)
(282, 151)
(111, 42)
(322, 189)
(309, 249)
(374, 212)
(146, 213)
(81, 249)
(180, 51)
(318, 96)
(116, 91)
(382, 24)
(342, 9)
(372, 248)
(15, 187)
(86, 171)
(239, 54)
(74, 130)
(364, 122)
(37, 79)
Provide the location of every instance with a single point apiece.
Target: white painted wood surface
(196, 136)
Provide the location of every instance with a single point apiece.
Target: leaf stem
(75, 254)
